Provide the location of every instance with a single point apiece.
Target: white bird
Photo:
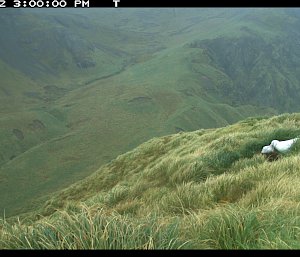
(280, 146)
(283, 146)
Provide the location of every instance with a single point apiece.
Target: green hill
(210, 188)
(80, 87)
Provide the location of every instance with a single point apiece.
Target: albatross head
(267, 149)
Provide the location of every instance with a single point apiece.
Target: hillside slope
(105, 119)
(203, 189)
(80, 88)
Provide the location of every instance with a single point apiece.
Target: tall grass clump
(234, 227)
(93, 229)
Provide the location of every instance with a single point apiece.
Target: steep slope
(42, 58)
(260, 60)
(13, 88)
(203, 189)
(86, 87)
(186, 157)
(109, 117)
(251, 62)
(63, 48)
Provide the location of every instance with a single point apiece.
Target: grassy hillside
(93, 124)
(204, 189)
(80, 87)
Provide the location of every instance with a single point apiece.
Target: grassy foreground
(207, 189)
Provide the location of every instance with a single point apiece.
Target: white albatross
(280, 146)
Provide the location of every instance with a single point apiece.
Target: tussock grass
(207, 190)
(232, 227)
(92, 228)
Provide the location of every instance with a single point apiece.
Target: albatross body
(283, 146)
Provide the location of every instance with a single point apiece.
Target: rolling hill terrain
(80, 87)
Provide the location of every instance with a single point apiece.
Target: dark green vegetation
(80, 87)
(210, 188)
